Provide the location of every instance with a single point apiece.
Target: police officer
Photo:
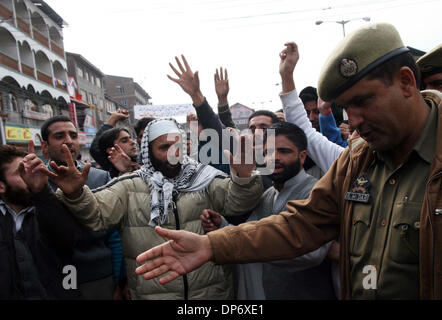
(430, 65)
(382, 196)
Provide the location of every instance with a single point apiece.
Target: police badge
(360, 191)
(348, 67)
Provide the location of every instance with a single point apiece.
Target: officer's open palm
(184, 252)
(69, 179)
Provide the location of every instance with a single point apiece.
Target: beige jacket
(125, 203)
(325, 215)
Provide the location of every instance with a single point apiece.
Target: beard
(21, 197)
(168, 170)
(289, 171)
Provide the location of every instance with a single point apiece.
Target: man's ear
(44, 149)
(302, 157)
(407, 81)
(2, 187)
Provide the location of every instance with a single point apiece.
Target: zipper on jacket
(177, 227)
(437, 175)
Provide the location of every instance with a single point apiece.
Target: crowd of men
(346, 204)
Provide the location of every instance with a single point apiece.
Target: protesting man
(170, 190)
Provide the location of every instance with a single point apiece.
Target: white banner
(162, 111)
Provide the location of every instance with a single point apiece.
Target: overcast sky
(137, 38)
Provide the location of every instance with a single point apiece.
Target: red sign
(73, 113)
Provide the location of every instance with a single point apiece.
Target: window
(80, 72)
(31, 105)
(47, 109)
(87, 75)
(124, 102)
(11, 102)
(92, 79)
(98, 82)
(89, 98)
(122, 90)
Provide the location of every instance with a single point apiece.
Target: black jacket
(32, 261)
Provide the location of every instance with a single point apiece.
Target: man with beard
(170, 190)
(306, 277)
(36, 231)
(98, 256)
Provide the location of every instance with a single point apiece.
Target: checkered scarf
(193, 177)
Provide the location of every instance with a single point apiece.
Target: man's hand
(289, 58)
(345, 130)
(184, 252)
(32, 170)
(210, 220)
(221, 86)
(120, 159)
(324, 107)
(118, 115)
(242, 162)
(188, 81)
(69, 179)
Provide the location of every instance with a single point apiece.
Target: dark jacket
(91, 255)
(32, 261)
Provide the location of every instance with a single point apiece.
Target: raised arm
(328, 125)
(321, 150)
(222, 90)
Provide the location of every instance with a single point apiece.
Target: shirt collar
(5, 208)
(295, 182)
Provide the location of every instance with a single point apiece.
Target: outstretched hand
(121, 161)
(184, 252)
(188, 81)
(221, 86)
(242, 161)
(69, 179)
(32, 170)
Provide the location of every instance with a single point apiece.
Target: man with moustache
(170, 190)
(37, 233)
(430, 65)
(306, 277)
(97, 256)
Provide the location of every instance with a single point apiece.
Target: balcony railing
(27, 70)
(40, 38)
(9, 62)
(45, 78)
(23, 26)
(58, 50)
(5, 13)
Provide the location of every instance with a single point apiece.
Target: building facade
(126, 92)
(240, 115)
(33, 69)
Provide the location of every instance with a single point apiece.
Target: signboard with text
(163, 111)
